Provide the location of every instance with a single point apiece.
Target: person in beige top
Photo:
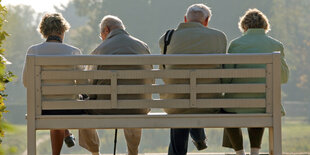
(192, 37)
(116, 41)
(52, 27)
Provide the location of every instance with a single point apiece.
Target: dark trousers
(179, 139)
(232, 138)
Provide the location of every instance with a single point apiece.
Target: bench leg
(271, 141)
(31, 140)
(275, 141)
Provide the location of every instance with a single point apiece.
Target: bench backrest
(36, 90)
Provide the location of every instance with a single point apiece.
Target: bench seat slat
(154, 59)
(144, 89)
(201, 88)
(167, 103)
(76, 89)
(155, 121)
(144, 74)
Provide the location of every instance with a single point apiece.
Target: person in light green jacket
(254, 24)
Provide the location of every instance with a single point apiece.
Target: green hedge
(5, 76)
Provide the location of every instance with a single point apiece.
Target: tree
(289, 24)
(5, 77)
(22, 24)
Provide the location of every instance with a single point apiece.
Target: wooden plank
(269, 88)
(145, 103)
(184, 88)
(193, 86)
(144, 89)
(231, 88)
(184, 103)
(87, 104)
(156, 121)
(231, 103)
(76, 75)
(276, 94)
(114, 90)
(230, 73)
(144, 74)
(38, 90)
(74, 89)
(31, 105)
(155, 59)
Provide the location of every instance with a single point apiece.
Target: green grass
(295, 136)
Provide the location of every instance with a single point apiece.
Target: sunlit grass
(295, 137)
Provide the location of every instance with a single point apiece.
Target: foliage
(289, 24)
(5, 77)
(22, 27)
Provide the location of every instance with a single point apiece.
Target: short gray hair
(198, 13)
(112, 22)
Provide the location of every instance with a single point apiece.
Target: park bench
(272, 88)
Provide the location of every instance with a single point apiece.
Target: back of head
(53, 24)
(198, 13)
(112, 22)
(254, 19)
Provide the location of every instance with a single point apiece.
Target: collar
(116, 32)
(190, 25)
(55, 38)
(255, 31)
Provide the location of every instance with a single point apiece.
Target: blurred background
(148, 20)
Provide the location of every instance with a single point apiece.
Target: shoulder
(100, 48)
(275, 42)
(236, 44)
(217, 32)
(140, 42)
(34, 48)
(237, 40)
(137, 40)
(74, 50)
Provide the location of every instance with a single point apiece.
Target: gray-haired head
(198, 13)
(112, 22)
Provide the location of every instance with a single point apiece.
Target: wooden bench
(271, 119)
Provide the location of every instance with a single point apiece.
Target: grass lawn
(295, 136)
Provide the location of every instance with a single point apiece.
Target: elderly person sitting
(117, 41)
(53, 27)
(254, 24)
(193, 36)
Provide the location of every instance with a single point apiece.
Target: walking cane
(115, 141)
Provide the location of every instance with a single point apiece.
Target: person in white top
(52, 27)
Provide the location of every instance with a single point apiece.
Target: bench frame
(271, 119)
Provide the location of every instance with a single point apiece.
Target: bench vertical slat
(38, 90)
(114, 90)
(31, 106)
(269, 88)
(276, 132)
(193, 89)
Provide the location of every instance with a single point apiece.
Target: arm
(25, 73)
(223, 46)
(284, 67)
(80, 68)
(25, 70)
(149, 67)
(161, 46)
(228, 66)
